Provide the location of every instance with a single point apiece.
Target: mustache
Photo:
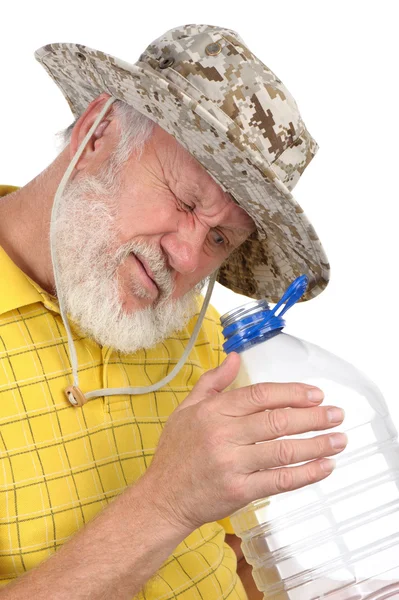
(90, 254)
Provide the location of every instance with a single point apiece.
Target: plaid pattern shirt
(60, 465)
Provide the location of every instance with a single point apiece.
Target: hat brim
(286, 245)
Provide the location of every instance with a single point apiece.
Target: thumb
(214, 381)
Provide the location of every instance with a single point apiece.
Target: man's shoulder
(213, 316)
(7, 189)
(211, 322)
(209, 343)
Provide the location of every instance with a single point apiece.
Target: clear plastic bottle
(337, 539)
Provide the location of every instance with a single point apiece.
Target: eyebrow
(238, 234)
(194, 191)
(238, 230)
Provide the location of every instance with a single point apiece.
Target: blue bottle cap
(254, 322)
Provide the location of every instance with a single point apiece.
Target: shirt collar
(16, 288)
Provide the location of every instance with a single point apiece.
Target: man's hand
(209, 462)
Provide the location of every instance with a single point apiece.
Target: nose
(183, 251)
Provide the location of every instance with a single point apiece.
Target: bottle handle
(291, 295)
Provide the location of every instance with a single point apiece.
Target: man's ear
(82, 127)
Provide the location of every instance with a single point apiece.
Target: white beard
(88, 256)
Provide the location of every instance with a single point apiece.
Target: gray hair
(135, 129)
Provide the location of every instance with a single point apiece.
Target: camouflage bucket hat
(204, 86)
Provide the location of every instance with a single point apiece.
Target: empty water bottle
(337, 539)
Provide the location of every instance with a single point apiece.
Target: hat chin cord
(73, 393)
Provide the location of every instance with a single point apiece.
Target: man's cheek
(183, 286)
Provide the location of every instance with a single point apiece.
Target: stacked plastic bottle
(337, 539)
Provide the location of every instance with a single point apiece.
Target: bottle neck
(254, 322)
(249, 325)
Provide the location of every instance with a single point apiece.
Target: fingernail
(335, 415)
(338, 440)
(315, 395)
(328, 465)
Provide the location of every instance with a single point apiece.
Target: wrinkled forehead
(182, 168)
(179, 170)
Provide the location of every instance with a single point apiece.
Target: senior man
(178, 169)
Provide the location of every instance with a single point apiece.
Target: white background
(340, 61)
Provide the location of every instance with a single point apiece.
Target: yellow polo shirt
(60, 465)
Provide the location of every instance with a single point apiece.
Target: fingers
(262, 396)
(214, 381)
(272, 424)
(275, 481)
(289, 452)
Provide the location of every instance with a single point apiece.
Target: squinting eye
(217, 238)
(187, 207)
